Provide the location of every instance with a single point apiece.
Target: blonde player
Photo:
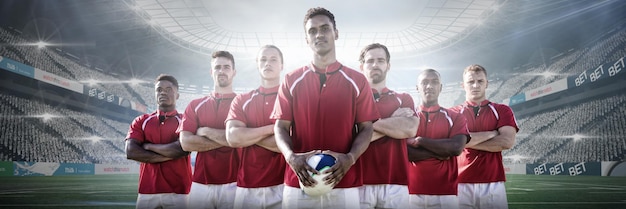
(261, 172)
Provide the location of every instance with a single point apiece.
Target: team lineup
(252, 148)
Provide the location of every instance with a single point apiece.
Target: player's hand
(341, 167)
(494, 133)
(146, 146)
(298, 164)
(202, 131)
(403, 112)
(413, 142)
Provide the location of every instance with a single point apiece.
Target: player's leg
(200, 196)
(417, 201)
(273, 196)
(341, 198)
(367, 196)
(433, 201)
(225, 195)
(148, 201)
(296, 198)
(467, 199)
(442, 202)
(493, 196)
(245, 197)
(393, 196)
(174, 201)
(265, 197)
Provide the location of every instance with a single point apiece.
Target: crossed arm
(493, 141)
(238, 135)
(421, 148)
(153, 153)
(401, 125)
(205, 139)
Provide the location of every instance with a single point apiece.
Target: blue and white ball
(319, 162)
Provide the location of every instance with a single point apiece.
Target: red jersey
(218, 166)
(433, 176)
(473, 163)
(387, 154)
(323, 116)
(173, 176)
(259, 167)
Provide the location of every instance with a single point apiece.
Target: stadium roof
(143, 38)
(404, 25)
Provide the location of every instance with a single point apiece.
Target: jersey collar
(332, 68)
(167, 114)
(433, 108)
(472, 104)
(223, 96)
(384, 91)
(265, 91)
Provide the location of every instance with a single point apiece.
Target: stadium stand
(22, 50)
(588, 132)
(63, 136)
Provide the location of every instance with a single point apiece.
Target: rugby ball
(319, 162)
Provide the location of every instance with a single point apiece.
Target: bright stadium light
(46, 116)
(90, 82)
(94, 138)
(135, 81)
(578, 137)
(41, 44)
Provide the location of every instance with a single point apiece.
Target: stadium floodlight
(577, 137)
(41, 44)
(90, 82)
(46, 116)
(94, 138)
(135, 81)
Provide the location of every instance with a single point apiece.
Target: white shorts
(212, 195)
(337, 198)
(166, 200)
(434, 201)
(384, 196)
(483, 196)
(265, 197)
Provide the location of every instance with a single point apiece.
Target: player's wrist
(413, 141)
(352, 158)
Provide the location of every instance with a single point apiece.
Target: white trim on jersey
(143, 126)
(180, 120)
(447, 117)
(201, 103)
(493, 109)
(249, 100)
(358, 92)
(298, 81)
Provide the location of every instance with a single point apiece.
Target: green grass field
(119, 191)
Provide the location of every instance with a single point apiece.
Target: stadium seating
(51, 60)
(66, 136)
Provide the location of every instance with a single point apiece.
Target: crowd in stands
(588, 132)
(24, 50)
(572, 62)
(37, 132)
